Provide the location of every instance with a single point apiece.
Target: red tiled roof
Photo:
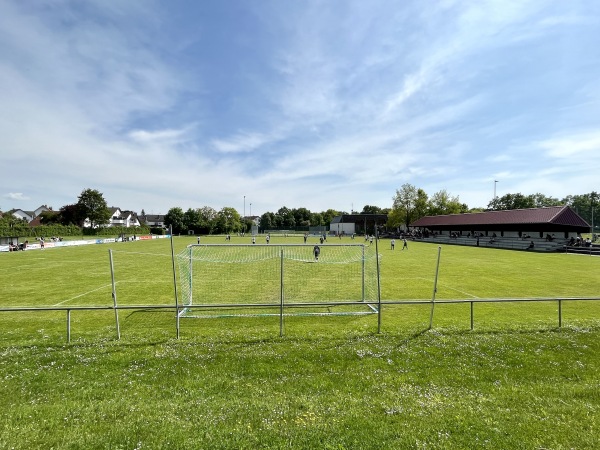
(558, 215)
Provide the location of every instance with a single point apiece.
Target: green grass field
(515, 381)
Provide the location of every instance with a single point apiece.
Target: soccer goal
(253, 279)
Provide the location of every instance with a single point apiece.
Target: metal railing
(281, 307)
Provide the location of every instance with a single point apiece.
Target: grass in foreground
(237, 389)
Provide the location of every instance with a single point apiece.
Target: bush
(25, 230)
(116, 231)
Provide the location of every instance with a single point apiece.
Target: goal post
(341, 278)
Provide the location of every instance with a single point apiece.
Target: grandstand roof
(553, 217)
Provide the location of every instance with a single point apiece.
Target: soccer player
(317, 252)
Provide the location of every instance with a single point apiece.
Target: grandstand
(549, 229)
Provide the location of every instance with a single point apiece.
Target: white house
(119, 218)
(154, 220)
(29, 215)
(123, 218)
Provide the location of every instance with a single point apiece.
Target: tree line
(69, 220)
(411, 203)
(207, 220)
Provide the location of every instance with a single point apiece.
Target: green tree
(327, 216)
(477, 209)
(228, 220)
(247, 224)
(11, 226)
(267, 221)
(287, 219)
(512, 201)
(49, 217)
(71, 215)
(369, 209)
(584, 205)
(192, 220)
(541, 200)
(442, 203)
(174, 219)
(405, 202)
(394, 220)
(316, 219)
(301, 216)
(93, 207)
(208, 218)
(421, 205)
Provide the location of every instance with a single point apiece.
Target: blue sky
(316, 104)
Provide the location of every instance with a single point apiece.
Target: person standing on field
(405, 244)
(317, 252)
(393, 243)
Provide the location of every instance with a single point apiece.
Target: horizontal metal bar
(278, 245)
(296, 304)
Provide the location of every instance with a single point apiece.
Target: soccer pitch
(143, 275)
(516, 381)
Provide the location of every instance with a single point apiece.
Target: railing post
(114, 293)
(472, 322)
(68, 326)
(379, 306)
(174, 282)
(437, 270)
(281, 292)
(559, 313)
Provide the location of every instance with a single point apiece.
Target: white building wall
(342, 228)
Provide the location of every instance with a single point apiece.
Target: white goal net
(338, 279)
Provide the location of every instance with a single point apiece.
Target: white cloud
(16, 196)
(161, 136)
(581, 145)
(241, 142)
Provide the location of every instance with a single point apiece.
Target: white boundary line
(445, 286)
(81, 295)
